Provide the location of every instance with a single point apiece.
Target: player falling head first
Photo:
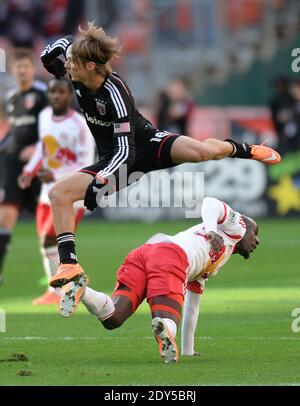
(159, 271)
(123, 136)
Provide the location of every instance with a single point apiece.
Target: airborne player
(123, 136)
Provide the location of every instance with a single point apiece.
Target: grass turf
(244, 332)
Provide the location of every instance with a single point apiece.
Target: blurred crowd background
(204, 68)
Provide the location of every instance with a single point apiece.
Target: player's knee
(57, 195)
(54, 195)
(115, 321)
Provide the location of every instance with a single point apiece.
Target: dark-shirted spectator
(291, 132)
(281, 106)
(22, 21)
(175, 108)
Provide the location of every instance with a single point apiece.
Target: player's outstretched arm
(189, 322)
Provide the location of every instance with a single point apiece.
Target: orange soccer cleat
(47, 298)
(72, 296)
(167, 344)
(66, 273)
(265, 154)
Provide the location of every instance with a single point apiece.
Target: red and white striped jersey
(218, 217)
(65, 146)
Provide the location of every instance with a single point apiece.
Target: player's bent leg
(111, 312)
(63, 195)
(166, 313)
(126, 302)
(123, 310)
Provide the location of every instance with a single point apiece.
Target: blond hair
(94, 45)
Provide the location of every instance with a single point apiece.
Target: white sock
(171, 326)
(98, 303)
(50, 265)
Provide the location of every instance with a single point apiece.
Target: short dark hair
(22, 53)
(250, 223)
(65, 81)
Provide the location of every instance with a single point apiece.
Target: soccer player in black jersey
(123, 136)
(23, 106)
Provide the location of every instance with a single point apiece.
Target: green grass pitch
(244, 332)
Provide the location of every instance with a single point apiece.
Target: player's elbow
(209, 201)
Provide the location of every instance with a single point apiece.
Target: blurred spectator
(175, 108)
(54, 18)
(104, 12)
(291, 141)
(75, 15)
(21, 21)
(281, 106)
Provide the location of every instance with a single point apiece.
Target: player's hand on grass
(24, 180)
(45, 175)
(215, 240)
(90, 198)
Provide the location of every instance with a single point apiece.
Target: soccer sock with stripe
(66, 248)
(5, 238)
(240, 150)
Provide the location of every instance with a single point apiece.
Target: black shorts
(155, 154)
(13, 194)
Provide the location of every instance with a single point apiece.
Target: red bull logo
(57, 156)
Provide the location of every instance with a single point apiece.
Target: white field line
(87, 338)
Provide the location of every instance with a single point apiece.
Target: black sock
(5, 237)
(240, 150)
(66, 248)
